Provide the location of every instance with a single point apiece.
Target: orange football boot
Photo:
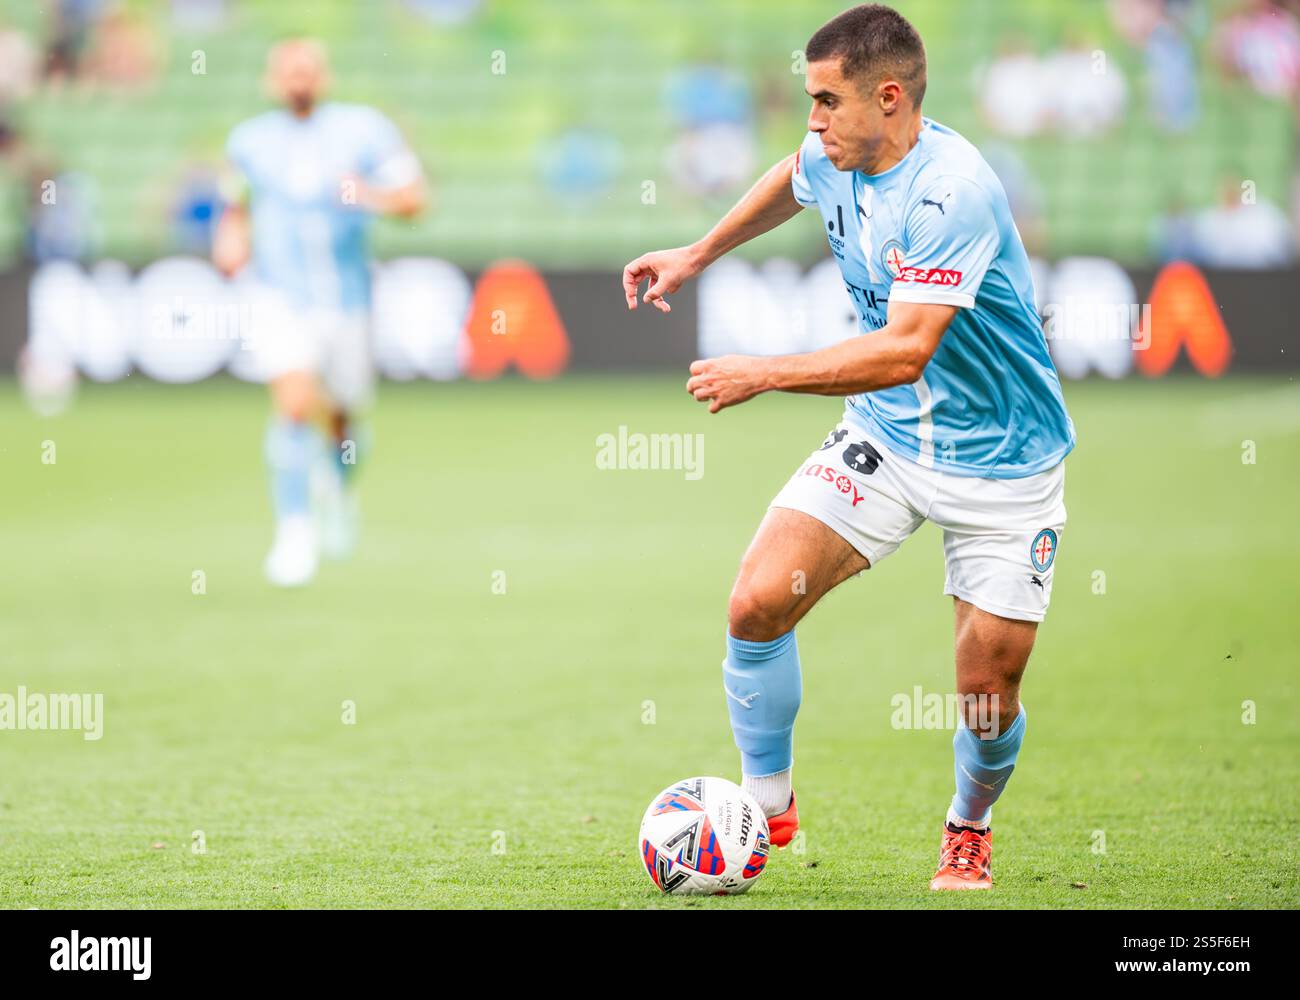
(782, 828)
(964, 859)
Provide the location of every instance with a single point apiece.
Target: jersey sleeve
(390, 163)
(803, 159)
(233, 182)
(951, 237)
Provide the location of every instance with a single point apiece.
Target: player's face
(848, 119)
(297, 76)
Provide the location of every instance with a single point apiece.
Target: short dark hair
(874, 41)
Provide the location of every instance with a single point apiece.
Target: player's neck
(895, 145)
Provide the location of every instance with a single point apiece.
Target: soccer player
(304, 181)
(953, 414)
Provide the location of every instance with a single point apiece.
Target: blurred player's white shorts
(999, 535)
(333, 343)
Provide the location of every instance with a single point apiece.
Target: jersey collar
(888, 177)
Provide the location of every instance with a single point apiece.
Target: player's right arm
(232, 241)
(765, 206)
(232, 244)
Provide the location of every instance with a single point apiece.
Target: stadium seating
(603, 67)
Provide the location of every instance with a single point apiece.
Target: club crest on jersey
(891, 258)
(1043, 550)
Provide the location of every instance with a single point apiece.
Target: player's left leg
(349, 377)
(992, 653)
(1000, 539)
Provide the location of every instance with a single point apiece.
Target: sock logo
(991, 788)
(745, 701)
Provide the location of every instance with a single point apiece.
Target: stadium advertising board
(177, 320)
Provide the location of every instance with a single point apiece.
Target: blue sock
(983, 768)
(291, 448)
(347, 451)
(764, 688)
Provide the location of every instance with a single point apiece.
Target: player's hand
(666, 269)
(728, 381)
(354, 192)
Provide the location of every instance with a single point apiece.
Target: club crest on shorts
(1043, 550)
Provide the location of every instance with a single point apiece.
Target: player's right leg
(287, 350)
(841, 512)
(793, 560)
(293, 445)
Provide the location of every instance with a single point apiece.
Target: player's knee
(294, 400)
(984, 705)
(295, 412)
(758, 614)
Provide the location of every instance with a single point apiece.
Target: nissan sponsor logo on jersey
(929, 276)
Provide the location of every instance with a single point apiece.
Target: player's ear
(890, 95)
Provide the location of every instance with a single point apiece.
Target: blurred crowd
(1076, 91)
(95, 47)
(1073, 90)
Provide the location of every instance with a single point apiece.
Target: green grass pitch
(503, 748)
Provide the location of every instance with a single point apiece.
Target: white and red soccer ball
(704, 836)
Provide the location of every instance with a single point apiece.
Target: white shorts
(333, 343)
(999, 535)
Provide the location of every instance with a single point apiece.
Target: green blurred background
(595, 82)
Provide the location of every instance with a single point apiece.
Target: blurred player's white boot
(338, 511)
(292, 559)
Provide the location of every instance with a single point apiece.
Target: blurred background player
(304, 181)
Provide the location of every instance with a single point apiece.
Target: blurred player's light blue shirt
(936, 228)
(310, 241)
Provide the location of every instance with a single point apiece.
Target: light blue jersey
(310, 238)
(936, 228)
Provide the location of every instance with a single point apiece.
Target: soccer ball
(704, 836)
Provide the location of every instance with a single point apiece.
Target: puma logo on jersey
(937, 204)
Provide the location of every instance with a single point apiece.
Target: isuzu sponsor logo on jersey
(929, 276)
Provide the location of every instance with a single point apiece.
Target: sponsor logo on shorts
(841, 482)
(1043, 550)
(861, 457)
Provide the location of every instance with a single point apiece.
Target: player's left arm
(951, 236)
(403, 201)
(393, 183)
(894, 355)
